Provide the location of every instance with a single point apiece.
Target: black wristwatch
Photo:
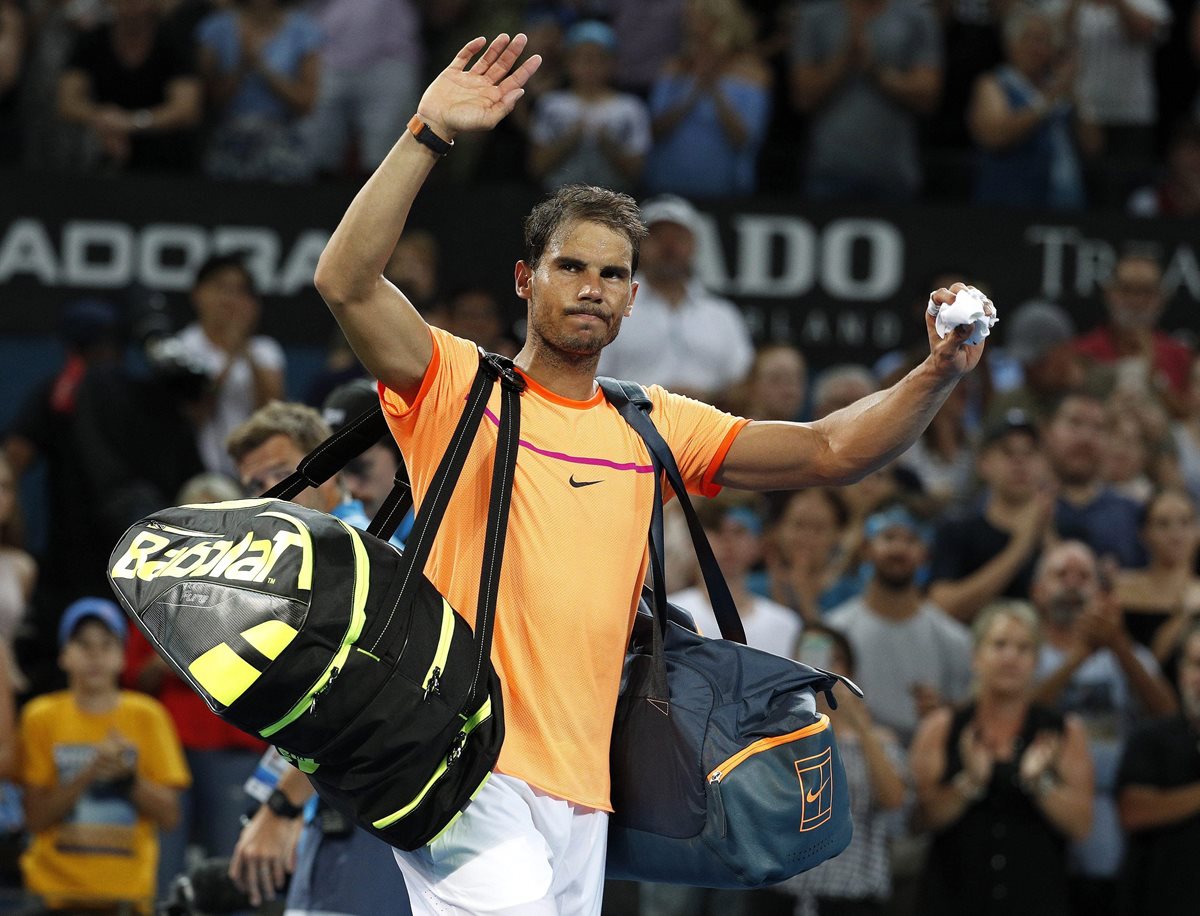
(426, 137)
(279, 804)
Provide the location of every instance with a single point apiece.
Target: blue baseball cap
(86, 608)
(747, 518)
(591, 31)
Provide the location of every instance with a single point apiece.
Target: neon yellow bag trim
(482, 714)
(358, 617)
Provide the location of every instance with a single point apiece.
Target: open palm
(477, 97)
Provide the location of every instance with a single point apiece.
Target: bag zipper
(358, 618)
(765, 744)
(433, 677)
(482, 714)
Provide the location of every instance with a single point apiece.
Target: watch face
(278, 802)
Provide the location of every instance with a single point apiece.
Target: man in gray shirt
(912, 656)
(863, 71)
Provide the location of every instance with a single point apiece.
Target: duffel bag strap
(631, 400)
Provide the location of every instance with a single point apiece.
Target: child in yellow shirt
(102, 768)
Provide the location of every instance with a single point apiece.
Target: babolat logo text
(250, 559)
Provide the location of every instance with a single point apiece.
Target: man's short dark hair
(582, 203)
(219, 262)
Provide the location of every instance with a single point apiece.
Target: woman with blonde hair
(1003, 784)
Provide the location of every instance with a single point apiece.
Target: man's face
(897, 553)
(1189, 676)
(589, 65)
(581, 289)
(370, 476)
(1075, 440)
(1013, 467)
(1134, 294)
(263, 467)
(735, 546)
(93, 657)
(1068, 583)
(781, 382)
(667, 252)
(807, 532)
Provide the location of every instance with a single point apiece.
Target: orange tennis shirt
(574, 559)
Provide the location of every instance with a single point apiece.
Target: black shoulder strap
(634, 405)
(354, 438)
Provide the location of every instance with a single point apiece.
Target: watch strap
(426, 137)
(279, 804)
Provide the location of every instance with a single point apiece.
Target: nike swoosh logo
(580, 483)
(813, 796)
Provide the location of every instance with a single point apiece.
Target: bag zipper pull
(435, 683)
(456, 749)
(312, 706)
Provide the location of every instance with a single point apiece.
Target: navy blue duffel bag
(723, 772)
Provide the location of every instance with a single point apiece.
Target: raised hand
(476, 97)
(950, 354)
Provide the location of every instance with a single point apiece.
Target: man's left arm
(852, 442)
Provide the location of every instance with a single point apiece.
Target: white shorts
(515, 851)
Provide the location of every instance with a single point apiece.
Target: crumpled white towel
(967, 308)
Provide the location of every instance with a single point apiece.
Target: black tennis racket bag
(330, 643)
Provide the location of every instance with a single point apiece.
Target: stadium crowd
(1018, 594)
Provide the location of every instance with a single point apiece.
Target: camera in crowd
(170, 363)
(205, 889)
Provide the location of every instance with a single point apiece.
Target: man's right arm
(385, 330)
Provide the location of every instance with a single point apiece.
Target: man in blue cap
(102, 769)
(912, 654)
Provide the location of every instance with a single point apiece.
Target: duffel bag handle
(354, 438)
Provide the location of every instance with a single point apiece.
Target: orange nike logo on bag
(816, 789)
